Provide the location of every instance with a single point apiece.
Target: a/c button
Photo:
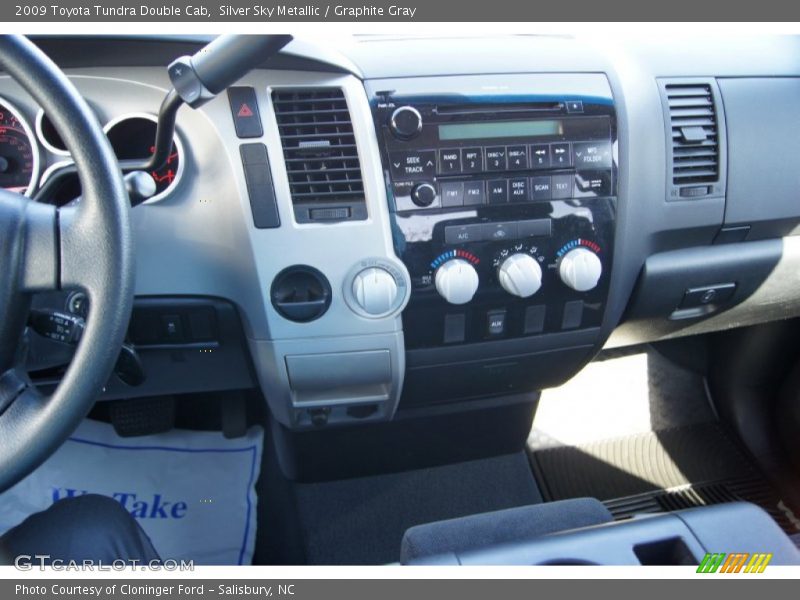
(460, 234)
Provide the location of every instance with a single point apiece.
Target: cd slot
(507, 108)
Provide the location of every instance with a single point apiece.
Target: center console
(503, 197)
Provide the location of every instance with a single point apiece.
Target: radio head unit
(446, 154)
(503, 195)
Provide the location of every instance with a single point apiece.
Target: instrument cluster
(36, 162)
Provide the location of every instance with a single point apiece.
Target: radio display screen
(500, 129)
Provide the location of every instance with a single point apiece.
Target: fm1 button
(452, 194)
(495, 323)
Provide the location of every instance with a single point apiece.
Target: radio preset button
(541, 188)
(518, 189)
(452, 194)
(562, 186)
(496, 158)
(560, 155)
(517, 158)
(417, 164)
(540, 156)
(450, 161)
(473, 193)
(498, 191)
(472, 160)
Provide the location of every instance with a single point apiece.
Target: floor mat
(361, 521)
(193, 492)
(634, 393)
(641, 463)
(645, 439)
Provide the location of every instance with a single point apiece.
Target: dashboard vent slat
(320, 152)
(695, 142)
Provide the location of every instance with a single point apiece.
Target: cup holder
(301, 293)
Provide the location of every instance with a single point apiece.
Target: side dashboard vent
(319, 148)
(696, 137)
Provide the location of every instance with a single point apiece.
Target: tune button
(423, 194)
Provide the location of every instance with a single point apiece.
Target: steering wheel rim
(88, 246)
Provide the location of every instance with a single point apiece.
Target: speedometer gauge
(19, 156)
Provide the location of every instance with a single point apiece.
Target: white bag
(193, 492)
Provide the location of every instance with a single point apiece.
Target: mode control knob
(580, 269)
(375, 290)
(456, 281)
(520, 275)
(423, 194)
(405, 122)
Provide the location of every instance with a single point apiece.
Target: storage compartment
(697, 282)
(763, 150)
(425, 385)
(343, 376)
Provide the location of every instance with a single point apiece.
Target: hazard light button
(244, 109)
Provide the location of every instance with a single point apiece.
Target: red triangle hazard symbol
(244, 111)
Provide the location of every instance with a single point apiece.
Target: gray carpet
(361, 521)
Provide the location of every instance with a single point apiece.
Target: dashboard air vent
(695, 135)
(319, 148)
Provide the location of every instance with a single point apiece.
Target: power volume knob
(375, 290)
(580, 269)
(405, 123)
(456, 281)
(520, 275)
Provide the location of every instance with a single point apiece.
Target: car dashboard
(385, 224)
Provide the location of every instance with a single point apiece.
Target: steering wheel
(87, 246)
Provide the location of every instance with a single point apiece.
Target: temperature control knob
(375, 290)
(457, 281)
(405, 122)
(580, 269)
(520, 275)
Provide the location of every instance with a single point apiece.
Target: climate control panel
(469, 284)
